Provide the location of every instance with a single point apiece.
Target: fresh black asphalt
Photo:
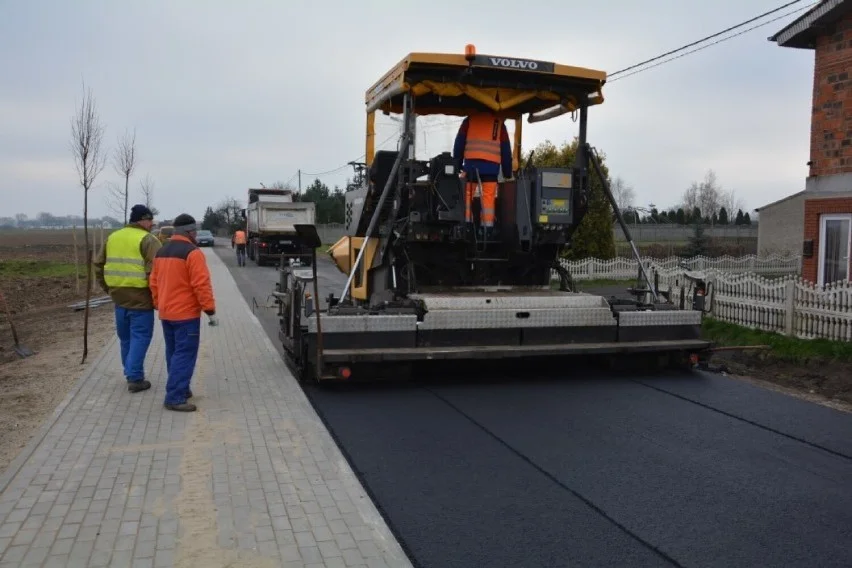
(578, 467)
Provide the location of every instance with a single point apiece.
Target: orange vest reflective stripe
(239, 238)
(483, 138)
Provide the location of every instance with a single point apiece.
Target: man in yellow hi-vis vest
(122, 268)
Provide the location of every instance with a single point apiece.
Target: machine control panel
(555, 196)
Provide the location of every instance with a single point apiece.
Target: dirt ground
(31, 388)
(829, 384)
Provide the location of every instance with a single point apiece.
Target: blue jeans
(182, 339)
(134, 329)
(241, 255)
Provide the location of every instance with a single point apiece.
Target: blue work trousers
(241, 255)
(182, 339)
(134, 329)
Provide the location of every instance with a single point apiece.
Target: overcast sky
(225, 95)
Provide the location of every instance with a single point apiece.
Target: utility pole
(300, 182)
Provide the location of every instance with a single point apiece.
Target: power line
(713, 43)
(319, 174)
(706, 38)
(343, 167)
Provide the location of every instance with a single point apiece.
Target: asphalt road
(585, 468)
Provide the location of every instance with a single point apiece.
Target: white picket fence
(786, 305)
(739, 292)
(624, 268)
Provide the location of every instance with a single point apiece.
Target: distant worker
(122, 268)
(482, 146)
(181, 290)
(239, 241)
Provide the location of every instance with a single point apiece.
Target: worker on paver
(239, 241)
(181, 290)
(481, 147)
(122, 269)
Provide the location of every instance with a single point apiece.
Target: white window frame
(822, 222)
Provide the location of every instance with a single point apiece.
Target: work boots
(138, 386)
(185, 407)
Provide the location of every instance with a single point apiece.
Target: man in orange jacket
(481, 148)
(239, 241)
(181, 290)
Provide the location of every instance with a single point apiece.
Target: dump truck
(271, 215)
(164, 232)
(424, 286)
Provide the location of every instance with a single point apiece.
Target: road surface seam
(551, 477)
(746, 420)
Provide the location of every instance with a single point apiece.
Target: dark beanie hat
(184, 223)
(140, 213)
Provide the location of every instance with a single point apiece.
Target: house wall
(814, 207)
(781, 227)
(831, 118)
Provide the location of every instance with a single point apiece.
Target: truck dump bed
(279, 217)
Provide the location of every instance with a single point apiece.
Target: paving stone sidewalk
(251, 479)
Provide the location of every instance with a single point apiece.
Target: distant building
(818, 220)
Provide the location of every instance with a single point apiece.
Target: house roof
(782, 200)
(803, 31)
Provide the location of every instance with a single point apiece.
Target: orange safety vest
(483, 138)
(239, 238)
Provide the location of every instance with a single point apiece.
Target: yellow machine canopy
(460, 84)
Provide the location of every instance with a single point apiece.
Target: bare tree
(623, 194)
(146, 187)
(710, 195)
(230, 210)
(116, 199)
(690, 199)
(87, 134)
(731, 202)
(124, 162)
(282, 185)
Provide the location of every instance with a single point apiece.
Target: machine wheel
(300, 372)
(306, 373)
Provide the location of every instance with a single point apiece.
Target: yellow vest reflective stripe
(125, 266)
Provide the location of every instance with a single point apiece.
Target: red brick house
(826, 202)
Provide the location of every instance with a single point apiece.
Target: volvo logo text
(513, 63)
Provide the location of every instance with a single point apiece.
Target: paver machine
(423, 285)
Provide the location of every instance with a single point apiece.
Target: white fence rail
(786, 305)
(739, 292)
(625, 268)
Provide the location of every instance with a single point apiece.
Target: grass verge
(37, 268)
(791, 349)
